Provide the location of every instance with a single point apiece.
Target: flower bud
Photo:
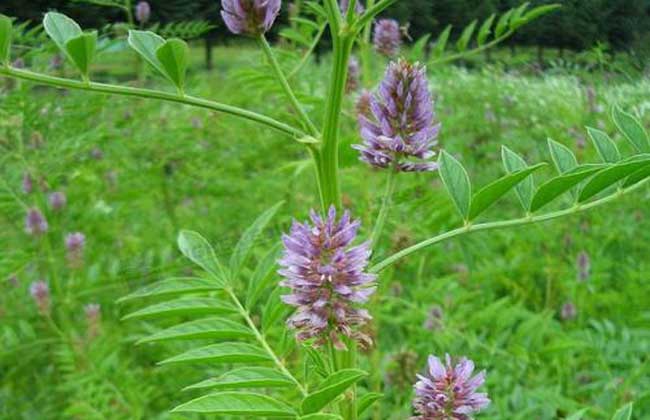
(74, 245)
(250, 17)
(358, 8)
(93, 319)
(354, 74)
(568, 311)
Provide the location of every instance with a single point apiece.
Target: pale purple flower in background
(448, 392)
(57, 200)
(434, 319)
(18, 63)
(584, 266)
(401, 132)
(387, 37)
(363, 104)
(250, 17)
(327, 278)
(28, 183)
(40, 292)
(56, 62)
(358, 8)
(74, 245)
(97, 153)
(35, 223)
(142, 12)
(568, 311)
(354, 75)
(93, 318)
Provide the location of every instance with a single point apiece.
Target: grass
(165, 167)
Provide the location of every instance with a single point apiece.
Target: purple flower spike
(40, 292)
(327, 279)
(387, 37)
(142, 12)
(74, 245)
(448, 392)
(57, 200)
(401, 131)
(568, 311)
(35, 223)
(358, 8)
(250, 17)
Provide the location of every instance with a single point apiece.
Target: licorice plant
(299, 338)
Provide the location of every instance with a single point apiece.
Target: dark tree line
(580, 24)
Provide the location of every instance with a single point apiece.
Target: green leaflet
(183, 306)
(198, 249)
(146, 44)
(605, 146)
(624, 413)
(237, 404)
(221, 353)
(333, 386)
(366, 401)
(512, 162)
(247, 240)
(246, 377)
(456, 180)
(173, 56)
(562, 156)
(213, 328)
(611, 176)
(555, 187)
(485, 30)
(5, 39)
(632, 129)
(466, 36)
(489, 194)
(81, 50)
(172, 287)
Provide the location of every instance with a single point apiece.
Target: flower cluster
(327, 279)
(401, 131)
(250, 17)
(449, 392)
(93, 318)
(387, 37)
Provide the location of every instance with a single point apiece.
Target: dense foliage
(94, 188)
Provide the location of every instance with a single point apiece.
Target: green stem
(366, 55)
(385, 206)
(153, 94)
(330, 148)
(497, 225)
(295, 104)
(265, 345)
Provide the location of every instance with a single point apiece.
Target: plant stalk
(153, 94)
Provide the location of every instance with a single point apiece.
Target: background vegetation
(136, 171)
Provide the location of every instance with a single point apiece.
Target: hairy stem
(153, 94)
(265, 345)
(498, 225)
(295, 104)
(385, 206)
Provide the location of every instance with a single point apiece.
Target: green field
(136, 171)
